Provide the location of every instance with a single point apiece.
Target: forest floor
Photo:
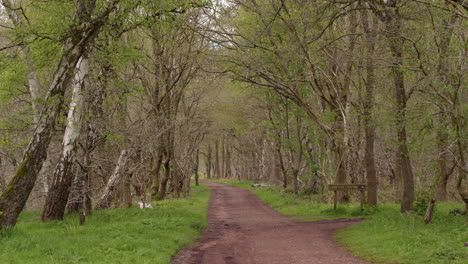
(386, 236)
(109, 236)
(242, 230)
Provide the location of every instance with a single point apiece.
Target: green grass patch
(301, 207)
(109, 236)
(396, 238)
(387, 235)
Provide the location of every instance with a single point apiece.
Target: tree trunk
(195, 170)
(389, 14)
(444, 172)
(296, 180)
(228, 171)
(75, 202)
(188, 181)
(223, 159)
(369, 128)
(163, 184)
(442, 136)
(462, 183)
(14, 197)
(403, 162)
(156, 177)
(282, 167)
(127, 192)
(176, 179)
(114, 182)
(208, 163)
(340, 170)
(429, 212)
(217, 166)
(59, 191)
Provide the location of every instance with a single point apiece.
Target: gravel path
(244, 230)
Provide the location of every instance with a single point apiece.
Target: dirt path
(244, 230)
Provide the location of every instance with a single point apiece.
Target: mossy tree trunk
(14, 197)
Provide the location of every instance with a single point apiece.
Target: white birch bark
(75, 113)
(114, 182)
(12, 200)
(60, 188)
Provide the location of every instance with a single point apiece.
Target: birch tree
(16, 193)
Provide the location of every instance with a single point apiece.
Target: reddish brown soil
(244, 230)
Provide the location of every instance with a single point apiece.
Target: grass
(392, 237)
(387, 235)
(301, 207)
(109, 236)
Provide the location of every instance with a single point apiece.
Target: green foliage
(109, 236)
(12, 78)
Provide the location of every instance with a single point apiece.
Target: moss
(20, 172)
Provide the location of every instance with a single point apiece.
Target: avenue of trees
(367, 92)
(103, 101)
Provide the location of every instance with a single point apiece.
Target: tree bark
(429, 212)
(389, 14)
(284, 174)
(156, 176)
(195, 170)
(114, 182)
(227, 170)
(442, 135)
(127, 192)
(176, 179)
(163, 184)
(369, 128)
(208, 162)
(403, 162)
(217, 165)
(14, 197)
(444, 172)
(222, 166)
(59, 191)
(462, 183)
(33, 84)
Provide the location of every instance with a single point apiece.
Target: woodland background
(102, 101)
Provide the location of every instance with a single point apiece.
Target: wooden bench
(347, 187)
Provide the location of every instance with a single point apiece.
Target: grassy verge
(301, 207)
(110, 236)
(387, 236)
